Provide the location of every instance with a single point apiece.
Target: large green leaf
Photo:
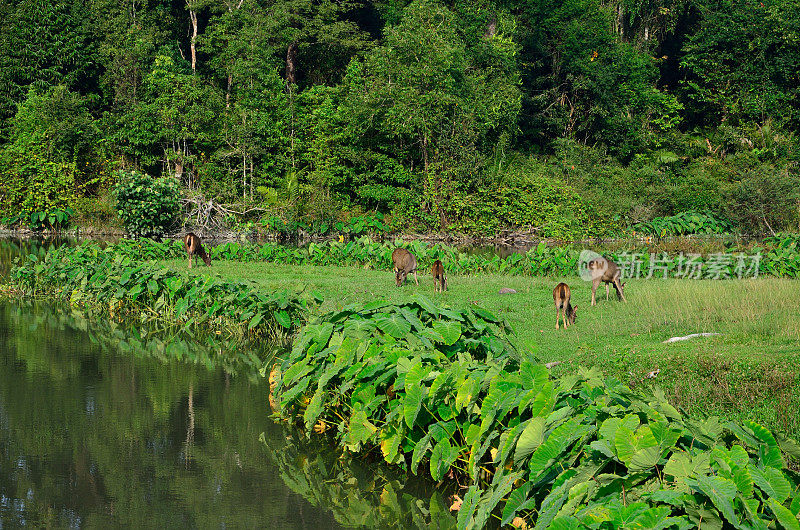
(420, 449)
(785, 517)
(442, 457)
(282, 317)
(721, 491)
(393, 324)
(772, 482)
(449, 330)
(359, 431)
(414, 392)
(530, 439)
(500, 489)
(466, 515)
(533, 375)
(644, 459)
(314, 408)
(515, 501)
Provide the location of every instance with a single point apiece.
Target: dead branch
(209, 214)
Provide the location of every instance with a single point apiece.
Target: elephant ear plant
(441, 393)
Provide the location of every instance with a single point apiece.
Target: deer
(606, 271)
(404, 264)
(193, 247)
(561, 296)
(439, 280)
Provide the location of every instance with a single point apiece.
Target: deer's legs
(558, 315)
(595, 285)
(415, 277)
(607, 289)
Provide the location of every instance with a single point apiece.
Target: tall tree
(742, 63)
(43, 45)
(422, 95)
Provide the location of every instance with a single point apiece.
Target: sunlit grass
(749, 371)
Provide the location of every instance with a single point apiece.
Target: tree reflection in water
(105, 424)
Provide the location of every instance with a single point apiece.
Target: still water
(101, 426)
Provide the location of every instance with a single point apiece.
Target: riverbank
(407, 376)
(746, 372)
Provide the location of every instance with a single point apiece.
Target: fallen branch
(208, 214)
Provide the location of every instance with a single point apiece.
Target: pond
(101, 426)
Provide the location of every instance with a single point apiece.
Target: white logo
(591, 265)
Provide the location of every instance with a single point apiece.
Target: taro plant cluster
(684, 223)
(780, 256)
(355, 226)
(95, 278)
(53, 219)
(439, 392)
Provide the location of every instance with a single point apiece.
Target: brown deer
(604, 270)
(193, 247)
(404, 264)
(439, 280)
(561, 296)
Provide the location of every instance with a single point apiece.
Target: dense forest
(565, 117)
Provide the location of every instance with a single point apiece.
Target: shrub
(684, 223)
(439, 392)
(148, 207)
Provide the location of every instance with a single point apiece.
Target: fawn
(404, 264)
(439, 280)
(561, 296)
(193, 247)
(606, 271)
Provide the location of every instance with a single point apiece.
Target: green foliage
(566, 452)
(619, 112)
(109, 282)
(740, 63)
(357, 225)
(52, 220)
(147, 206)
(682, 224)
(778, 257)
(51, 157)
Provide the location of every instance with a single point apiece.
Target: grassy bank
(747, 372)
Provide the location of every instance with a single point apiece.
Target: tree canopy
(442, 114)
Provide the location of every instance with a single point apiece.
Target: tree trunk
(291, 79)
(291, 64)
(193, 17)
(228, 92)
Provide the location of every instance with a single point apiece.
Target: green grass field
(750, 371)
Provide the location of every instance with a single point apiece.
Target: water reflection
(90, 437)
(106, 422)
(360, 493)
(101, 425)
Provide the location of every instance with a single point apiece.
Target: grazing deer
(404, 264)
(561, 296)
(439, 280)
(193, 247)
(606, 271)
